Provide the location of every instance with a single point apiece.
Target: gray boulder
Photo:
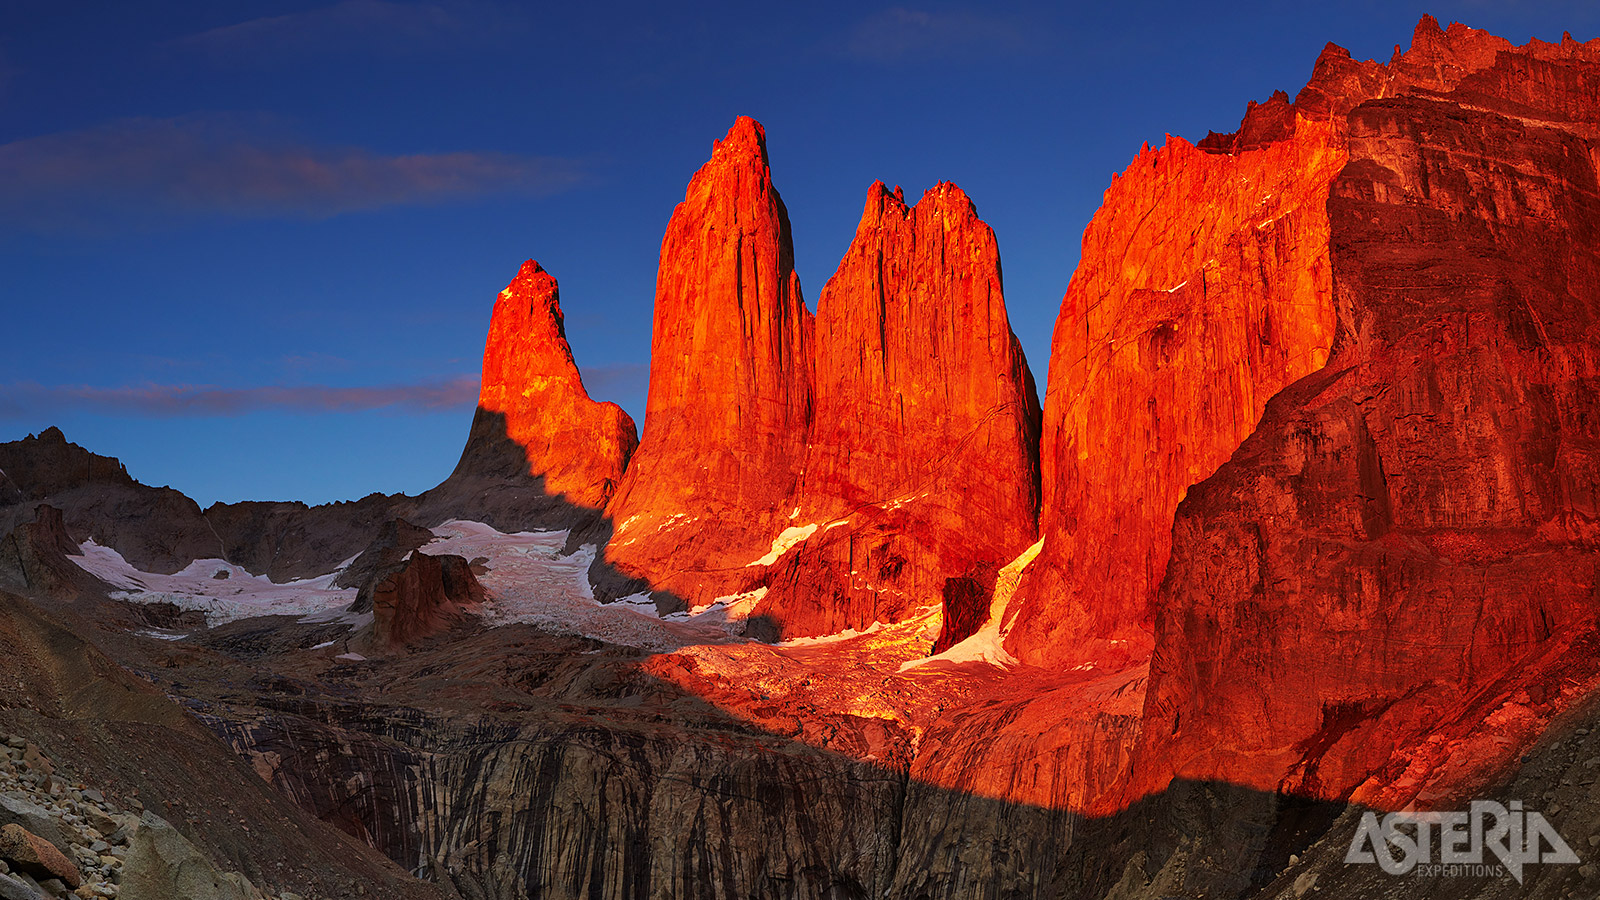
(162, 864)
(16, 810)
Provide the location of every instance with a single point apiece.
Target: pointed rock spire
(924, 445)
(730, 395)
(533, 396)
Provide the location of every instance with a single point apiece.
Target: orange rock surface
(730, 385)
(1395, 576)
(533, 394)
(1204, 288)
(921, 472)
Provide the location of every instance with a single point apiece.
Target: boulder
(162, 864)
(27, 852)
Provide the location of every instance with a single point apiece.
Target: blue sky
(251, 248)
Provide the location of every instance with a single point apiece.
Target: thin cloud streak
(175, 400)
(902, 34)
(136, 171)
(354, 25)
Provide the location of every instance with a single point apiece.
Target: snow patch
(1177, 286)
(223, 591)
(727, 612)
(785, 542)
(844, 635)
(529, 581)
(987, 645)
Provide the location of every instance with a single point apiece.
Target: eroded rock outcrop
(533, 396)
(920, 476)
(425, 596)
(387, 552)
(730, 385)
(34, 557)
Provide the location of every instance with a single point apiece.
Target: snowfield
(528, 580)
(240, 595)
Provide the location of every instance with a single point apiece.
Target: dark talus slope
(119, 732)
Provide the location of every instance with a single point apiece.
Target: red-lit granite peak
(922, 465)
(730, 385)
(533, 395)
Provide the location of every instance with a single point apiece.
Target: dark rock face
(33, 557)
(288, 540)
(387, 553)
(43, 464)
(161, 530)
(155, 529)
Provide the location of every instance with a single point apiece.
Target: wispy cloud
(903, 34)
(135, 171)
(355, 26)
(169, 400)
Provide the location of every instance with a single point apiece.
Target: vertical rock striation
(1405, 551)
(1204, 288)
(730, 384)
(921, 475)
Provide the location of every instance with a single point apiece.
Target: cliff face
(533, 396)
(856, 466)
(920, 476)
(1408, 540)
(1204, 288)
(730, 384)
